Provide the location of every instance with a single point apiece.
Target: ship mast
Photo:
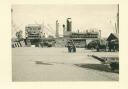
(118, 20)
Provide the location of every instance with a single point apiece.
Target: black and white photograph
(64, 42)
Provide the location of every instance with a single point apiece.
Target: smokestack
(63, 29)
(57, 28)
(69, 24)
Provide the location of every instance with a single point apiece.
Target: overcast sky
(102, 17)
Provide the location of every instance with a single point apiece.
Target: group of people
(109, 46)
(71, 46)
(113, 45)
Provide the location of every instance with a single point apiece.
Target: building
(113, 36)
(82, 39)
(113, 42)
(33, 34)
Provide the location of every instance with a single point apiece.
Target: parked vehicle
(92, 45)
(99, 45)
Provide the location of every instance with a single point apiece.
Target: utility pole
(100, 34)
(12, 21)
(42, 29)
(118, 19)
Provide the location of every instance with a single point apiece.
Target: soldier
(73, 46)
(69, 46)
(110, 46)
(98, 46)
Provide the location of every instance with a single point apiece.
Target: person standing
(73, 46)
(69, 46)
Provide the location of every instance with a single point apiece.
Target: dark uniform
(71, 47)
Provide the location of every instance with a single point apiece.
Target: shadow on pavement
(42, 63)
(100, 67)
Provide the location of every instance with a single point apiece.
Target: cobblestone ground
(56, 64)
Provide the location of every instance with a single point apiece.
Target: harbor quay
(57, 64)
(65, 46)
